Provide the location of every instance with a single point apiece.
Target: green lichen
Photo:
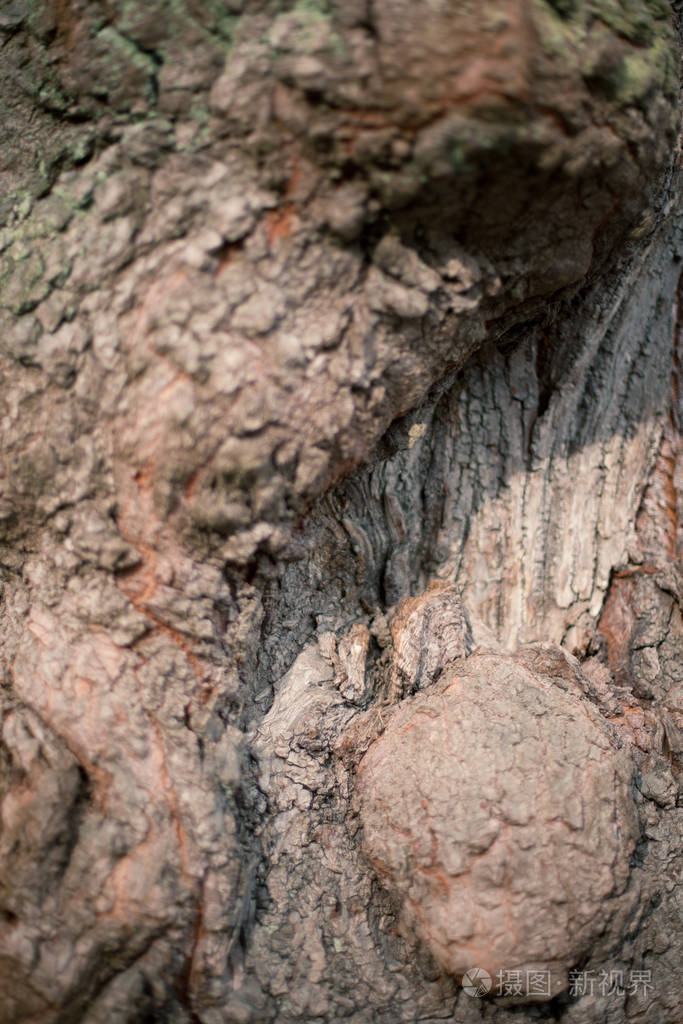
(120, 61)
(50, 216)
(199, 112)
(24, 286)
(641, 74)
(558, 35)
(338, 46)
(224, 22)
(51, 97)
(213, 17)
(316, 9)
(15, 207)
(634, 20)
(624, 48)
(308, 29)
(628, 18)
(460, 160)
(660, 9)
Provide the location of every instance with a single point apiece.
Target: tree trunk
(340, 512)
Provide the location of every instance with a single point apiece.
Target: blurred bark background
(304, 307)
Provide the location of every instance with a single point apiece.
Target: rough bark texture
(450, 816)
(340, 511)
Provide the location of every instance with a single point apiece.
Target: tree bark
(340, 525)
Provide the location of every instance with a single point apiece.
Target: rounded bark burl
(497, 808)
